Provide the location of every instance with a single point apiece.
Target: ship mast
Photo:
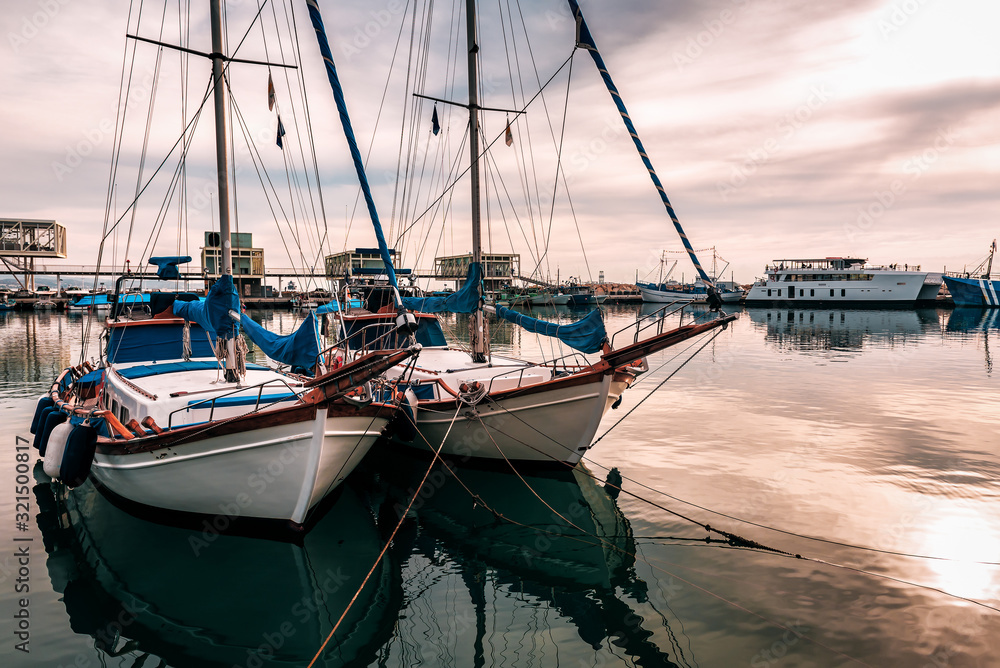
(222, 169)
(479, 343)
(221, 154)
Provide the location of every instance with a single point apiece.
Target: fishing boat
(842, 281)
(666, 291)
(173, 417)
(976, 287)
(469, 402)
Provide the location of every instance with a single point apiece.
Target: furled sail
(465, 300)
(586, 335)
(213, 313)
(359, 165)
(586, 41)
(298, 349)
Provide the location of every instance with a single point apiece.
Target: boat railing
(257, 404)
(655, 319)
(580, 360)
(384, 341)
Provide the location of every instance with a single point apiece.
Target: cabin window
(812, 293)
(779, 292)
(831, 293)
(114, 407)
(843, 293)
(768, 293)
(802, 293)
(123, 416)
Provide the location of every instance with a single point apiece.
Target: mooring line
(388, 542)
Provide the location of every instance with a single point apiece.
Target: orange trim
(150, 423)
(151, 321)
(115, 425)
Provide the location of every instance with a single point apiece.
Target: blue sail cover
(359, 165)
(465, 300)
(587, 335)
(298, 349)
(168, 265)
(213, 313)
(586, 41)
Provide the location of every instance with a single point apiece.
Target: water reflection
(195, 598)
(553, 541)
(842, 330)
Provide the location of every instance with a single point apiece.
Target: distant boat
(85, 302)
(45, 304)
(668, 292)
(976, 288)
(842, 281)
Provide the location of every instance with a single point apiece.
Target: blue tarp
(213, 313)
(151, 341)
(298, 349)
(465, 300)
(585, 335)
(167, 266)
(334, 306)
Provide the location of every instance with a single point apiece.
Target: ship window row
(828, 277)
(812, 292)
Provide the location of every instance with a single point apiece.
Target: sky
(779, 128)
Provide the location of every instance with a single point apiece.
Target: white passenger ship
(842, 281)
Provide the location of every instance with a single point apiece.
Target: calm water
(871, 428)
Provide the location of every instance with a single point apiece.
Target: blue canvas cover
(585, 335)
(213, 313)
(153, 341)
(298, 349)
(334, 306)
(167, 266)
(465, 300)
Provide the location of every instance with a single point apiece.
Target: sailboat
(977, 287)
(470, 402)
(174, 418)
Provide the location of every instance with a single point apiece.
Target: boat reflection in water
(196, 598)
(554, 542)
(968, 319)
(843, 330)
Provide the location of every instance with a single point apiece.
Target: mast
(228, 338)
(221, 156)
(478, 334)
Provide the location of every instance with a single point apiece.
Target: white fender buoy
(55, 449)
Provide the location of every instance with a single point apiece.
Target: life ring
(55, 418)
(43, 403)
(79, 455)
(55, 449)
(40, 427)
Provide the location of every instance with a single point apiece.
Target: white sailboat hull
(278, 472)
(542, 426)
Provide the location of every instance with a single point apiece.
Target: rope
(388, 542)
(661, 384)
(642, 558)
